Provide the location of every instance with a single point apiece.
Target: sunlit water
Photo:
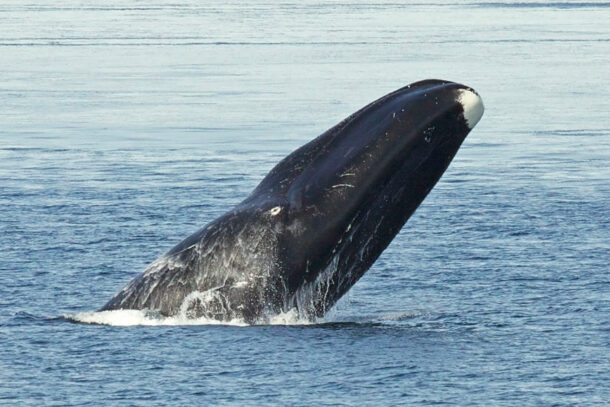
(125, 126)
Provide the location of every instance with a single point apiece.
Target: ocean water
(127, 125)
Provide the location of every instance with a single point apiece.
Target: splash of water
(128, 317)
(148, 318)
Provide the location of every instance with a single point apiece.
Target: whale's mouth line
(361, 229)
(379, 191)
(313, 299)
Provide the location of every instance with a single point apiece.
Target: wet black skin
(333, 204)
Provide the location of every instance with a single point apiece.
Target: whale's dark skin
(319, 219)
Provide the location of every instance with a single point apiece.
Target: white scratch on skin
(275, 210)
(348, 174)
(343, 185)
(188, 248)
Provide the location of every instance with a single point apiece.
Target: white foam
(130, 317)
(291, 317)
(473, 106)
(148, 318)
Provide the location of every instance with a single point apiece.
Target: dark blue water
(125, 127)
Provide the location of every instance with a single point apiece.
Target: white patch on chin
(473, 106)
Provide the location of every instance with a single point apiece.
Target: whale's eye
(275, 210)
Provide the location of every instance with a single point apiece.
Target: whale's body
(319, 219)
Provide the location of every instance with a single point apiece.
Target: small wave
(400, 316)
(149, 318)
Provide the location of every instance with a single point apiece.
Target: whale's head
(337, 202)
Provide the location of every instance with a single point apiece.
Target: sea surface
(127, 125)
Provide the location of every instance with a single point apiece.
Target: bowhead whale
(319, 219)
